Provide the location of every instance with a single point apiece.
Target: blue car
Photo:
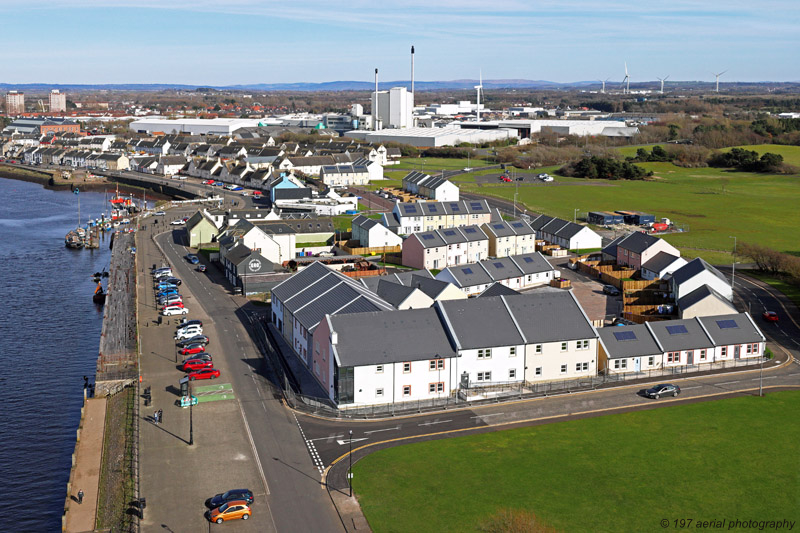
(193, 259)
(165, 286)
(167, 292)
(218, 184)
(237, 188)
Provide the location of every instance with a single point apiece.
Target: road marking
(349, 441)
(768, 377)
(253, 446)
(312, 449)
(379, 430)
(327, 438)
(435, 422)
(728, 383)
(485, 416)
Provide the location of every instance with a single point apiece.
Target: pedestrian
(155, 417)
(80, 496)
(160, 416)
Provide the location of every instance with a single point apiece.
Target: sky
(231, 42)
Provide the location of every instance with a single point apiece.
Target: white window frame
(406, 391)
(379, 392)
(564, 346)
(564, 369)
(512, 373)
(538, 371)
(379, 369)
(406, 366)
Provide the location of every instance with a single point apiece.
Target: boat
(122, 206)
(73, 240)
(99, 296)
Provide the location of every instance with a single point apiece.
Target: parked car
(172, 303)
(188, 333)
(167, 292)
(174, 281)
(159, 213)
(770, 316)
(198, 339)
(665, 389)
(610, 290)
(192, 349)
(202, 356)
(185, 323)
(195, 364)
(218, 184)
(228, 496)
(205, 373)
(178, 222)
(165, 286)
(257, 194)
(160, 271)
(208, 182)
(201, 268)
(547, 178)
(230, 511)
(193, 259)
(167, 300)
(237, 188)
(172, 310)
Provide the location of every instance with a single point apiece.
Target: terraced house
(407, 218)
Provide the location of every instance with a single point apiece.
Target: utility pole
(350, 469)
(733, 265)
(191, 421)
(575, 215)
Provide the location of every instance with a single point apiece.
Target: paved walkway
(88, 455)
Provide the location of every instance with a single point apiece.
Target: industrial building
(394, 108)
(432, 137)
(581, 128)
(637, 218)
(192, 126)
(604, 218)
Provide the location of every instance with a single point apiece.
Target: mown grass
(432, 164)
(733, 458)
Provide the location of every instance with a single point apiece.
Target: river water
(49, 339)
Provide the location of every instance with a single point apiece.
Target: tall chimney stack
(375, 104)
(412, 69)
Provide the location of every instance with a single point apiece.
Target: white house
(371, 234)
(275, 241)
(517, 272)
(662, 264)
(696, 273)
(566, 234)
(510, 238)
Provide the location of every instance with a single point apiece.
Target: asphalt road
(291, 482)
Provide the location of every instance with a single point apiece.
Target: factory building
(192, 126)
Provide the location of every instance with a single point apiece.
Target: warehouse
(637, 218)
(193, 126)
(432, 137)
(525, 128)
(604, 218)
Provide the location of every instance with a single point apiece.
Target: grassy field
(734, 458)
(433, 164)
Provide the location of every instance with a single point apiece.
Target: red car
(196, 365)
(770, 316)
(176, 303)
(208, 182)
(192, 349)
(205, 373)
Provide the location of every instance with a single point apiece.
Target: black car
(665, 389)
(197, 339)
(610, 289)
(189, 323)
(231, 495)
(174, 281)
(202, 356)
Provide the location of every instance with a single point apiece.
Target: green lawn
(432, 164)
(779, 283)
(733, 458)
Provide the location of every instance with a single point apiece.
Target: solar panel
(498, 226)
(466, 270)
(432, 208)
(499, 265)
(528, 259)
(455, 206)
(727, 324)
(449, 232)
(476, 205)
(516, 224)
(677, 330)
(427, 237)
(625, 335)
(470, 230)
(410, 209)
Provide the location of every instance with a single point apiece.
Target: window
(585, 366)
(674, 357)
(485, 354)
(563, 369)
(379, 369)
(702, 355)
(749, 348)
(512, 373)
(563, 346)
(436, 364)
(379, 393)
(755, 349)
(435, 387)
(406, 390)
(512, 351)
(538, 371)
(484, 376)
(538, 348)
(583, 345)
(406, 368)
(577, 367)
(620, 364)
(651, 361)
(723, 352)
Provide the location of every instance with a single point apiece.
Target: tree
(673, 131)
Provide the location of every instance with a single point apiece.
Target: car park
(186, 323)
(174, 281)
(664, 389)
(172, 310)
(199, 339)
(192, 349)
(194, 364)
(770, 316)
(201, 268)
(178, 222)
(234, 510)
(188, 334)
(192, 258)
(230, 495)
(204, 373)
(159, 213)
(610, 290)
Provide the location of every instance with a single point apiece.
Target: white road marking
(327, 438)
(349, 441)
(728, 383)
(689, 388)
(253, 446)
(379, 430)
(485, 416)
(312, 450)
(435, 422)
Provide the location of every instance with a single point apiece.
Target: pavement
(88, 455)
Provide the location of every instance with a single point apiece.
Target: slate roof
(532, 263)
(461, 207)
(469, 275)
(693, 338)
(497, 289)
(693, 268)
(539, 222)
(736, 328)
(628, 341)
(394, 293)
(480, 323)
(638, 242)
(660, 261)
(549, 316)
(611, 248)
(569, 230)
(363, 222)
(700, 293)
(505, 228)
(383, 338)
(430, 286)
(501, 268)
(414, 176)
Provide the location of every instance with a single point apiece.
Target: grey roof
(569, 230)
(549, 316)
(497, 289)
(553, 226)
(700, 293)
(660, 261)
(429, 239)
(506, 228)
(340, 298)
(300, 280)
(363, 222)
(306, 225)
(638, 242)
(237, 254)
(414, 176)
(461, 207)
(402, 278)
(430, 286)
(611, 248)
(469, 275)
(383, 338)
(532, 263)
(736, 328)
(670, 335)
(693, 268)
(480, 323)
(501, 268)
(628, 341)
(394, 293)
(300, 193)
(539, 222)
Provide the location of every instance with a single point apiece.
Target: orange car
(230, 511)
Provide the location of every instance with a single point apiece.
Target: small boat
(73, 240)
(99, 296)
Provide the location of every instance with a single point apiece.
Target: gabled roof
(638, 242)
(394, 293)
(497, 289)
(660, 261)
(429, 285)
(384, 338)
(693, 268)
(539, 222)
(461, 207)
(532, 263)
(676, 335)
(506, 228)
(569, 230)
(701, 293)
(501, 268)
(611, 248)
(735, 328)
(363, 222)
(480, 323)
(628, 341)
(549, 316)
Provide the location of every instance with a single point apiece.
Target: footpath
(79, 517)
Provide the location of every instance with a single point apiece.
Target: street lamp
(575, 215)
(350, 470)
(733, 264)
(191, 421)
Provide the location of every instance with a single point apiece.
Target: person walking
(80, 496)
(155, 417)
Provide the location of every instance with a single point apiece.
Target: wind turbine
(626, 81)
(479, 88)
(717, 76)
(603, 90)
(662, 80)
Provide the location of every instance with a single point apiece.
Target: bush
(604, 168)
(748, 160)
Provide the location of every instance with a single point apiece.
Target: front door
(736, 351)
(690, 357)
(637, 363)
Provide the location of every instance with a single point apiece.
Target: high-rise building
(15, 103)
(58, 101)
(394, 108)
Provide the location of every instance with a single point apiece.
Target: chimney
(412, 69)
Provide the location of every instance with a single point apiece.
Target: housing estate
(407, 218)
(516, 272)
(440, 249)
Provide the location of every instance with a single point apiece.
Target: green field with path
(732, 458)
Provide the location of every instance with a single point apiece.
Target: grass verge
(791, 290)
(726, 459)
(116, 474)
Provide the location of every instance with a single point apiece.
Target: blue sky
(227, 42)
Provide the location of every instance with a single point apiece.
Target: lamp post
(575, 215)
(191, 421)
(350, 469)
(733, 264)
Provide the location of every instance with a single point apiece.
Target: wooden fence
(351, 248)
(356, 274)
